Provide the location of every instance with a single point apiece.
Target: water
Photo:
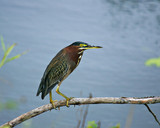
(129, 33)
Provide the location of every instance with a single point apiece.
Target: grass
(6, 52)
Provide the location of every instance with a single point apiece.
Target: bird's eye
(82, 45)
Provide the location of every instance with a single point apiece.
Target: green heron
(60, 67)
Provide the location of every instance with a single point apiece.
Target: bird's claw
(52, 102)
(67, 100)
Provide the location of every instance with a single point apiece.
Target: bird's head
(83, 46)
(75, 51)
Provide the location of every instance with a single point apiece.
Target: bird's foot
(67, 100)
(52, 102)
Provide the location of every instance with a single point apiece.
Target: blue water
(129, 32)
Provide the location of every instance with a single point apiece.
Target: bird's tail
(44, 88)
(40, 89)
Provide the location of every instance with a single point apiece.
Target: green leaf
(117, 126)
(3, 45)
(8, 51)
(153, 61)
(1, 106)
(92, 124)
(12, 58)
(6, 126)
(11, 104)
(2, 61)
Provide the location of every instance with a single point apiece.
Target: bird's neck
(75, 54)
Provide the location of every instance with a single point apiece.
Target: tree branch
(152, 114)
(80, 101)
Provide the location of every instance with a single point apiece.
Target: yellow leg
(52, 101)
(67, 98)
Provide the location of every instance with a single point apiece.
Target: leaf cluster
(7, 51)
(10, 104)
(153, 61)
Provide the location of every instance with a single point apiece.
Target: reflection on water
(129, 33)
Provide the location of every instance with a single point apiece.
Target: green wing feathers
(54, 73)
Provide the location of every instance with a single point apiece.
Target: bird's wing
(56, 71)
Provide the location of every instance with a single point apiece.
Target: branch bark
(81, 101)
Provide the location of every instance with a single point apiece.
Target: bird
(60, 67)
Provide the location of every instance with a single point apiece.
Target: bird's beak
(91, 47)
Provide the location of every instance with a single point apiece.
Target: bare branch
(152, 113)
(80, 101)
(85, 113)
(84, 116)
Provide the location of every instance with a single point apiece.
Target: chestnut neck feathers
(74, 53)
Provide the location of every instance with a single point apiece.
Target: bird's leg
(67, 98)
(52, 101)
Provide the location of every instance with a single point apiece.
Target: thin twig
(80, 101)
(130, 116)
(84, 116)
(99, 124)
(85, 113)
(79, 123)
(152, 113)
(79, 120)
